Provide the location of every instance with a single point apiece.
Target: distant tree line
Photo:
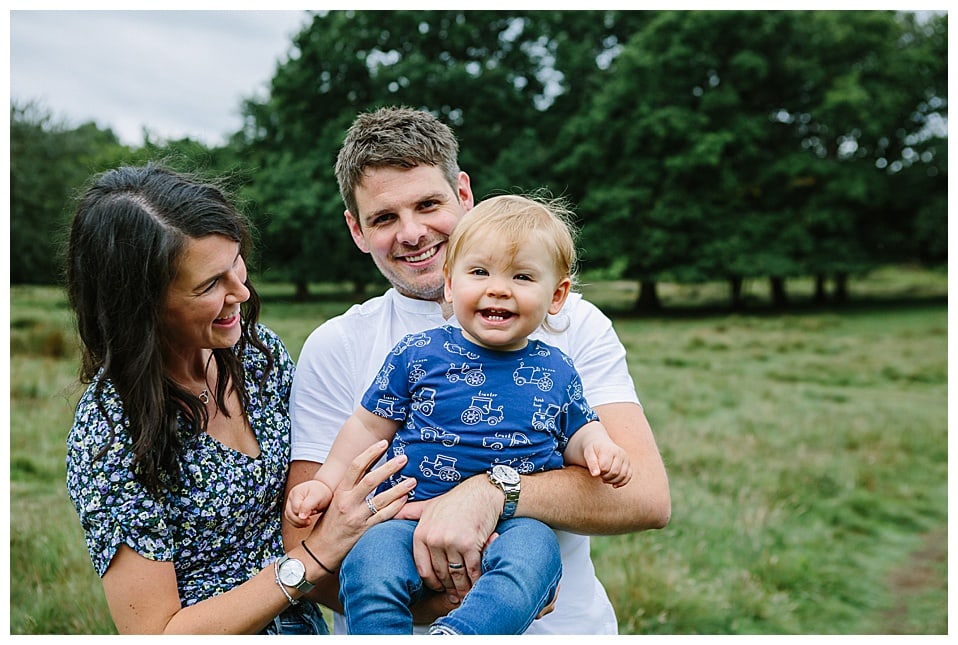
(695, 145)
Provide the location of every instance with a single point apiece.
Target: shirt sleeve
(114, 509)
(323, 390)
(599, 356)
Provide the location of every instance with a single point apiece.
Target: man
(404, 192)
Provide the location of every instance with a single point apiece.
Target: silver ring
(455, 567)
(372, 507)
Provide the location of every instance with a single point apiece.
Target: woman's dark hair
(129, 230)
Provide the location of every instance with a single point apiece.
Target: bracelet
(323, 566)
(279, 582)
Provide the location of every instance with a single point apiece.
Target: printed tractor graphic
(398, 446)
(453, 348)
(382, 379)
(481, 410)
(501, 440)
(413, 340)
(443, 467)
(416, 373)
(575, 390)
(424, 401)
(534, 375)
(384, 408)
(524, 466)
(540, 351)
(545, 420)
(471, 375)
(448, 439)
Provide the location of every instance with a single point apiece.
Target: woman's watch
(292, 573)
(507, 479)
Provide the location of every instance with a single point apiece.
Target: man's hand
(453, 529)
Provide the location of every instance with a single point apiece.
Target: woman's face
(203, 302)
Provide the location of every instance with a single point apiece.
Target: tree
(744, 143)
(483, 72)
(49, 163)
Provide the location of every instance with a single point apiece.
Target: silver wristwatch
(292, 573)
(507, 479)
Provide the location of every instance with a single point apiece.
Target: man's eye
(383, 219)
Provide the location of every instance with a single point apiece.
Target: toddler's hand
(305, 500)
(607, 460)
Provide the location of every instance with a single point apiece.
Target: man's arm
(453, 527)
(568, 499)
(587, 505)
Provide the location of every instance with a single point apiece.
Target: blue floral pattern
(222, 525)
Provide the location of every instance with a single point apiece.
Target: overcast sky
(176, 73)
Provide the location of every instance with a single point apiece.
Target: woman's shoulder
(273, 343)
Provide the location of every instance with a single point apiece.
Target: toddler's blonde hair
(518, 220)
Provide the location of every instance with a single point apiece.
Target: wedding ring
(455, 566)
(372, 507)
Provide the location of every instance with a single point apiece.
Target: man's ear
(560, 294)
(356, 231)
(464, 192)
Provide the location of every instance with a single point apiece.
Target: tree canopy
(695, 145)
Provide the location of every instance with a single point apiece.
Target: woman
(178, 455)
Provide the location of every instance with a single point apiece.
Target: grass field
(807, 453)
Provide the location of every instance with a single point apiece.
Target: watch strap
(512, 501)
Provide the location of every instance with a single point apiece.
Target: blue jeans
(298, 620)
(520, 575)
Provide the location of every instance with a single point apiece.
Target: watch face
(505, 474)
(292, 572)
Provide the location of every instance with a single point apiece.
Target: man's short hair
(394, 136)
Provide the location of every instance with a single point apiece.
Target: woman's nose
(238, 292)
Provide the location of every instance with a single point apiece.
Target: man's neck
(446, 307)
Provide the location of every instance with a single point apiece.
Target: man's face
(404, 220)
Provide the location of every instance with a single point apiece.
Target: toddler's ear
(447, 289)
(560, 294)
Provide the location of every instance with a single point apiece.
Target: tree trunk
(820, 295)
(302, 292)
(841, 288)
(779, 298)
(735, 293)
(648, 297)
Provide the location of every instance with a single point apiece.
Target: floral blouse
(222, 525)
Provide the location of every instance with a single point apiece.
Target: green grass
(807, 454)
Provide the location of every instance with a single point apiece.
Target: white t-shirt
(342, 356)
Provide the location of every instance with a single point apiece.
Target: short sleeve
(389, 393)
(113, 508)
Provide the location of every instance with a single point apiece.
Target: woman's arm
(142, 593)
(361, 430)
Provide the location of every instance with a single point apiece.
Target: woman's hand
(349, 515)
